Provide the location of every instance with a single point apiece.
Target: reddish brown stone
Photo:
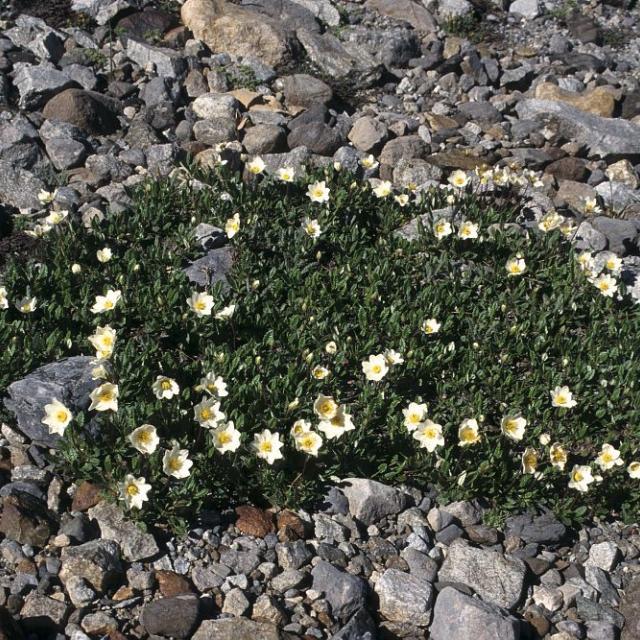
(87, 495)
(254, 522)
(172, 584)
(123, 593)
(291, 526)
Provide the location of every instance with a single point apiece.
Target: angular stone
(623, 172)
(600, 101)
(215, 105)
(405, 148)
(37, 83)
(529, 9)
(18, 187)
(630, 609)
(87, 495)
(543, 529)
(303, 90)
(135, 544)
(65, 153)
(264, 138)
(621, 235)
(97, 562)
(345, 593)
(496, 578)
(167, 62)
(370, 501)
(404, 598)
(87, 110)
(236, 629)
(289, 579)
(368, 134)
(176, 617)
(102, 10)
(26, 520)
(459, 617)
(211, 268)
(172, 584)
(235, 603)
(215, 130)
(34, 34)
(254, 522)
(68, 380)
(41, 614)
(360, 627)
(318, 137)
(407, 10)
(603, 137)
(604, 555)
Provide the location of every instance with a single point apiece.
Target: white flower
(144, 438)
(331, 347)
(286, 174)
(442, 228)
(581, 477)
(99, 372)
(609, 457)
(104, 255)
(299, 427)
(56, 217)
(4, 302)
(468, 230)
(27, 305)
(429, 435)
(39, 230)
(325, 407)
(558, 456)
(383, 189)
(76, 269)
(134, 491)
(634, 470)
(165, 388)
(606, 284)
(311, 227)
(585, 261)
(207, 412)
(468, 432)
(256, 165)
(550, 221)
(318, 192)
(57, 417)
(226, 313)
(213, 385)
(103, 341)
(590, 206)
(338, 425)
(459, 179)
(513, 427)
(200, 303)
(544, 439)
(176, 463)
(267, 446)
(414, 414)
(375, 368)
(392, 357)
(308, 442)
(369, 162)
(46, 197)
(430, 326)
(104, 397)
(106, 302)
(226, 437)
(232, 225)
(562, 397)
(516, 266)
(402, 199)
(319, 372)
(611, 261)
(529, 461)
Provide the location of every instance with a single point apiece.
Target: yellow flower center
(607, 457)
(175, 464)
(200, 305)
(224, 438)
(206, 414)
(577, 476)
(105, 396)
(165, 385)
(266, 447)
(467, 434)
(430, 433)
(132, 490)
(62, 415)
(376, 368)
(307, 442)
(144, 437)
(326, 407)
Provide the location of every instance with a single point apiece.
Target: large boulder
(37, 83)
(600, 101)
(370, 501)
(19, 187)
(457, 616)
(87, 110)
(405, 598)
(68, 381)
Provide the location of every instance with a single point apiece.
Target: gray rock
(407, 10)
(166, 62)
(368, 134)
(541, 529)
(392, 47)
(97, 562)
(243, 562)
(176, 617)
(102, 10)
(209, 577)
(289, 579)
(215, 130)
(420, 565)
(370, 501)
(318, 137)
(321, 9)
(293, 555)
(496, 578)
(459, 617)
(621, 235)
(619, 198)
(405, 598)
(604, 555)
(161, 158)
(19, 188)
(406, 148)
(211, 268)
(236, 629)
(454, 8)
(360, 627)
(82, 75)
(37, 83)
(414, 171)
(589, 239)
(235, 603)
(33, 34)
(303, 90)
(44, 615)
(264, 138)
(603, 137)
(215, 105)
(596, 611)
(65, 153)
(483, 112)
(68, 380)
(345, 593)
(114, 525)
(80, 593)
(529, 9)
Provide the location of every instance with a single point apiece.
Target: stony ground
(97, 94)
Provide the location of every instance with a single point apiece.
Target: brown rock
(172, 584)
(290, 526)
(87, 495)
(254, 522)
(26, 520)
(123, 593)
(538, 622)
(568, 169)
(600, 101)
(573, 194)
(88, 110)
(458, 160)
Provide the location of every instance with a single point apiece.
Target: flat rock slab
(457, 616)
(604, 137)
(68, 381)
(211, 268)
(496, 578)
(236, 629)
